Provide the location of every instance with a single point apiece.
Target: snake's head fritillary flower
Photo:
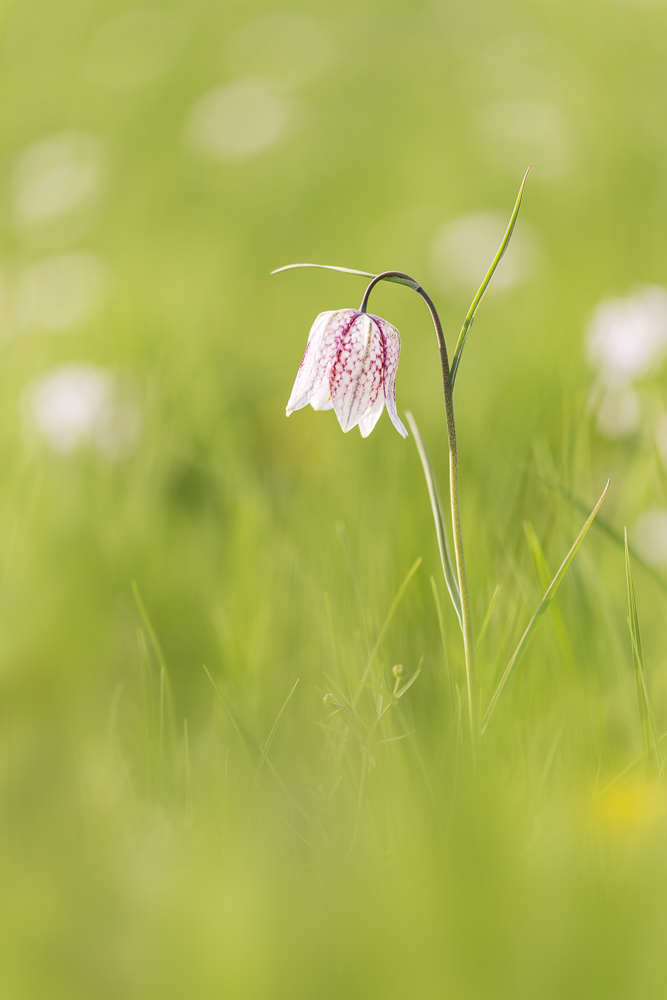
(350, 366)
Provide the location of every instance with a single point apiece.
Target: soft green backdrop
(135, 858)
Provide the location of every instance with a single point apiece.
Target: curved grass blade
(267, 745)
(348, 270)
(165, 694)
(468, 321)
(394, 604)
(439, 518)
(542, 607)
(626, 770)
(239, 728)
(603, 526)
(649, 734)
(487, 619)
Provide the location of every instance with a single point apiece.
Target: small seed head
(329, 699)
(398, 670)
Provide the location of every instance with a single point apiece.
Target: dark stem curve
(468, 645)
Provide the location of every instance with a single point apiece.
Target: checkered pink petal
(356, 377)
(312, 380)
(392, 352)
(350, 365)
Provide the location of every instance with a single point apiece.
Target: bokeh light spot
(463, 250)
(57, 175)
(239, 119)
(81, 404)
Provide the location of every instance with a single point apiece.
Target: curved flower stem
(468, 645)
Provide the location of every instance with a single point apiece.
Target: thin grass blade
(602, 525)
(541, 609)
(149, 627)
(441, 624)
(439, 518)
(468, 321)
(408, 684)
(626, 770)
(267, 745)
(394, 604)
(245, 737)
(348, 270)
(165, 694)
(487, 619)
(649, 734)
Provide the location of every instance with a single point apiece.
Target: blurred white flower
(57, 175)
(79, 405)
(618, 411)
(240, 119)
(463, 249)
(519, 132)
(627, 338)
(60, 291)
(650, 536)
(350, 366)
(290, 47)
(134, 49)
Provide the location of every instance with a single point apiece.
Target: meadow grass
(208, 781)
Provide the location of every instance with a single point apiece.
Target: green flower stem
(468, 645)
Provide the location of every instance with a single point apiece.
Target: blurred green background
(156, 164)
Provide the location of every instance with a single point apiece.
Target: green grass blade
(245, 737)
(649, 734)
(626, 770)
(544, 576)
(149, 628)
(267, 745)
(438, 517)
(441, 624)
(542, 608)
(408, 684)
(487, 619)
(165, 694)
(604, 526)
(394, 604)
(468, 321)
(348, 270)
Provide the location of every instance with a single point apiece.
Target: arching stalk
(468, 645)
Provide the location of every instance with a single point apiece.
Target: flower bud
(398, 670)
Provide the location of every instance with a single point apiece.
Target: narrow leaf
(401, 692)
(649, 734)
(448, 669)
(626, 770)
(245, 738)
(439, 518)
(349, 270)
(267, 745)
(394, 604)
(542, 607)
(487, 619)
(603, 526)
(467, 323)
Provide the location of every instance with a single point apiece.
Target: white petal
(323, 341)
(358, 371)
(392, 352)
(321, 400)
(371, 416)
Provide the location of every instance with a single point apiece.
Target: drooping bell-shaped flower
(350, 366)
